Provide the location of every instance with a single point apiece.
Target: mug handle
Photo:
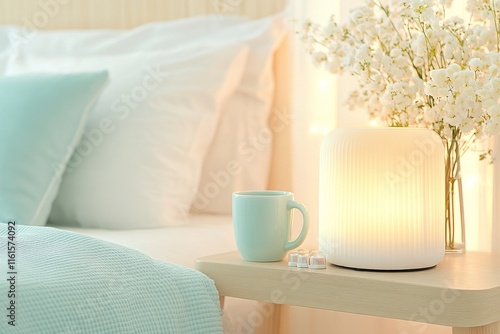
(289, 245)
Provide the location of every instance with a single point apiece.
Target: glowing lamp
(381, 201)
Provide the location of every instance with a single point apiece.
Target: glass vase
(454, 217)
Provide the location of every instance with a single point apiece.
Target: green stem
(452, 175)
(495, 20)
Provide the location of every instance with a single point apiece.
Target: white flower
(318, 58)
(363, 54)
(333, 64)
(416, 66)
(475, 64)
(462, 80)
(452, 69)
(396, 53)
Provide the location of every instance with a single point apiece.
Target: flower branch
(417, 67)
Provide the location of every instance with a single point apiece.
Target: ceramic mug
(262, 224)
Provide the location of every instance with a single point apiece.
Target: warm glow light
(324, 84)
(382, 198)
(471, 181)
(320, 128)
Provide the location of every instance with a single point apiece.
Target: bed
(128, 174)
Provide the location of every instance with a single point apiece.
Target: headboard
(86, 14)
(122, 14)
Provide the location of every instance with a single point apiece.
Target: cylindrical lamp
(381, 201)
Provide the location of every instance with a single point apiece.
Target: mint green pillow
(42, 118)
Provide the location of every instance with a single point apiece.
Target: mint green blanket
(60, 282)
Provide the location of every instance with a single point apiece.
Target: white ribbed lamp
(381, 203)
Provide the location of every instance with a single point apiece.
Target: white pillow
(156, 36)
(140, 158)
(240, 155)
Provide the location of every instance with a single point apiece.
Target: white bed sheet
(203, 235)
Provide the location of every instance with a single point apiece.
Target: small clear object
(298, 258)
(293, 258)
(303, 258)
(317, 260)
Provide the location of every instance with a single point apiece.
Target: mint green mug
(263, 222)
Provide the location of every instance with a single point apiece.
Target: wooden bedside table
(462, 291)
